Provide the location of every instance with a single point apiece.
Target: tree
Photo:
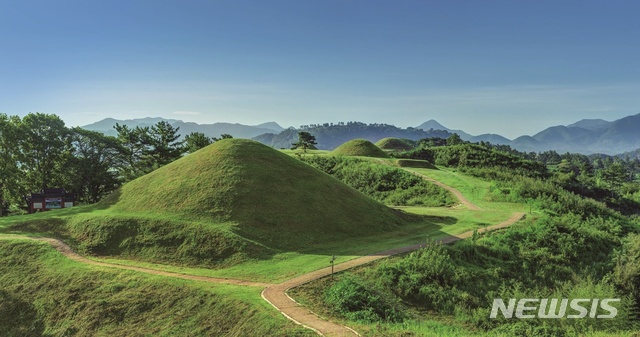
(9, 173)
(195, 141)
(92, 166)
(454, 139)
(43, 148)
(305, 141)
(162, 143)
(614, 176)
(133, 147)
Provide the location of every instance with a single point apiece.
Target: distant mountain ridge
(211, 130)
(587, 136)
(329, 136)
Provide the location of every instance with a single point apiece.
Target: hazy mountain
(527, 144)
(587, 136)
(433, 124)
(491, 138)
(271, 126)
(212, 130)
(590, 124)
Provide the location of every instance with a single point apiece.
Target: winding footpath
(65, 250)
(461, 198)
(276, 294)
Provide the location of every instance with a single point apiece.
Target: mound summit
(359, 147)
(266, 195)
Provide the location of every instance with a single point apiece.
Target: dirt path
(459, 196)
(277, 296)
(69, 253)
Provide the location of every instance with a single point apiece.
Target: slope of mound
(359, 147)
(395, 144)
(265, 195)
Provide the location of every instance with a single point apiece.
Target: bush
(389, 185)
(350, 298)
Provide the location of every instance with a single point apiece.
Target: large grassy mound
(395, 144)
(258, 193)
(359, 147)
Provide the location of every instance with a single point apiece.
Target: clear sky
(508, 67)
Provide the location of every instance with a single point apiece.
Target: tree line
(39, 151)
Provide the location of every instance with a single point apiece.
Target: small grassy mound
(395, 144)
(359, 147)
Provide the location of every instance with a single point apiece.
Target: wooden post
(333, 258)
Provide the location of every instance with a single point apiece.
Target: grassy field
(203, 215)
(97, 230)
(44, 293)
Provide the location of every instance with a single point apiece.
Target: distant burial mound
(257, 193)
(395, 144)
(359, 147)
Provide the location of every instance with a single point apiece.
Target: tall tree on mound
(195, 141)
(305, 141)
(163, 144)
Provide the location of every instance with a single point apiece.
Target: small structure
(50, 198)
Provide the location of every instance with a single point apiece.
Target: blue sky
(508, 67)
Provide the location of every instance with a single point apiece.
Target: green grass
(173, 242)
(230, 202)
(44, 293)
(480, 192)
(264, 192)
(359, 147)
(284, 265)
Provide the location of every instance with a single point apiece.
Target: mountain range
(211, 130)
(587, 136)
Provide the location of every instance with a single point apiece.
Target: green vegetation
(359, 147)
(205, 210)
(416, 163)
(573, 247)
(240, 209)
(395, 144)
(46, 294)
(305, 141)
(331, 135)
(389, 185)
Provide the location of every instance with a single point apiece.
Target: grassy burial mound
(395, 144)
(239, 192)
(359, 147)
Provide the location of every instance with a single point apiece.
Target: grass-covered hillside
(359, 148)
(265, 194)
(43, 293)
(395, 144)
